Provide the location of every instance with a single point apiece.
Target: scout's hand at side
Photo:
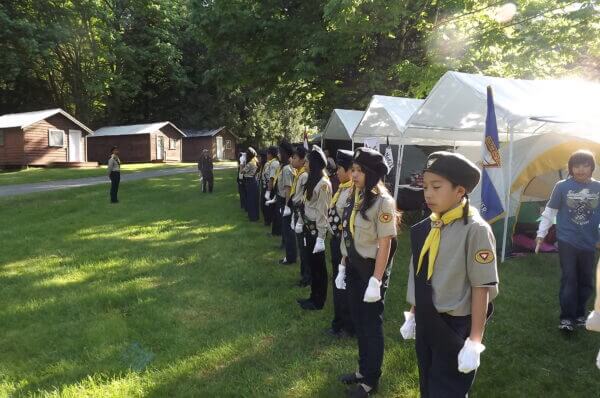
(267, 195)
(298, 227)
(270, 202)
(319, 246)
(407, 330)
(373, 292)
(468, 357)
(598, 360)
(287, 211)
(340, 279)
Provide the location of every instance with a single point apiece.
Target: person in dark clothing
(240, 179)
(205, 167)
(251, 184)
(114, 173)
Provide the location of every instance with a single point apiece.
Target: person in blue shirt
(575, 204)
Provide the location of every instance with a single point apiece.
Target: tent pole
(398, 170)
(507, 197)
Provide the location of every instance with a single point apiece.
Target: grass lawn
(38, 174)
(172, 293)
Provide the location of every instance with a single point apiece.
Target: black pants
(207, 181)
(577, 280)
(251, 187)
(242, 192)
(438, 368)
(264, 208)
(368, 326)
(288, 234)
(305, 275)
(341, 313)
(276, 216)
(115, 179)
(318, 271)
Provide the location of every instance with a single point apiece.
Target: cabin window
(228, 144)
(1, 138)
(56, 138)
(172, 143)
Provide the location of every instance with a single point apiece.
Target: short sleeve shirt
(466, 259)
(286, 178)
(380, 223)
(578, 212)
(317, 207)
(299, 192)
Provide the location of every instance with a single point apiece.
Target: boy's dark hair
(300, 151)
(272, 150)
(580, 157)
(113, 149)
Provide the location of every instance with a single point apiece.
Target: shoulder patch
(324, 187)
(385, 217)
(484, 256)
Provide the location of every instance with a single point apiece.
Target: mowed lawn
(173, 293)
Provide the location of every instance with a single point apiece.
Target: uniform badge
(484, 256)
(385, 218)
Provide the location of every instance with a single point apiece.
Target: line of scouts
(453, 275)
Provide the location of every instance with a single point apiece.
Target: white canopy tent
(341, 125)
(456, 109)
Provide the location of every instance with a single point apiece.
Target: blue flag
(491, 205)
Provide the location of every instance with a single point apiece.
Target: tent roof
(341, 124)
(386, 117)
(134, 129)
(25, 119)
(456, 107)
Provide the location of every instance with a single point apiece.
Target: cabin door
(74, 146)
(219, 148)
(160, 147)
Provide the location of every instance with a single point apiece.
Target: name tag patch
(484, 256)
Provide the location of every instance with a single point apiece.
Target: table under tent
(540, 123)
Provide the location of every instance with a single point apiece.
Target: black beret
(286, 147)
(344, 158)
(272, 150)
(372, 160)
(455, 168)
(300, 151)
(316, 154)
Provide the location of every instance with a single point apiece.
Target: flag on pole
(491, 205)
(389, 157)
(306, 139)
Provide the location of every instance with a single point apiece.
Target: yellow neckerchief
(432, 242)
(358, 198)
(297, 174)
(341, 187)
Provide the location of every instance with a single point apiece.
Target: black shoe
(566, 325)
(284, 261)
(339, 334)
(302, 301)
(359, 392)
(303, 283)
(350, 378)
(310, 306)
(580, 321)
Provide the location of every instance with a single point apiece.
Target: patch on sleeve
(324, 187)
(484, 256)
(385, 217)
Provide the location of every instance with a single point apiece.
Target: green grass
(39, 174)
(172, 293)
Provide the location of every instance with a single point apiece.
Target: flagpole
(507, 197)
(398, 170)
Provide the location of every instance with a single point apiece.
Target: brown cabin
(42, 138)
(221, 143)
(137, 143)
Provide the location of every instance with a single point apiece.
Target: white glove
(270, 202)
(268, 195)
(287, 211)
(292, 223)
(340, 279)
(598, 360)
(298, 227)
(593, 322)
(319, 246)
(408, 329)
(468, 357)
(373, 292)
(241, 176)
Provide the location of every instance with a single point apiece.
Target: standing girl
(251, 184)
(114, 173)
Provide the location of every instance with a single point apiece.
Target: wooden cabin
(221, 143)
(138, 143)
(50, 137)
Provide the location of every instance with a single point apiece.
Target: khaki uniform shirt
(299, 192)
(316, 208)
(250, 170)
(286, 178)
(273, 167)
(113, 164)
(466, 259)
(380, 224)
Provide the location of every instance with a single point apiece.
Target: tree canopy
(269, 68)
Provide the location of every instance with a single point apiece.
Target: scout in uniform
(283, 186)
(575, 203)
(317, 196)
(251, 184)
(341, 325)
(452, 279)
(368, 247)
(240, 180)
(205, 167)
(297, 194)
(269, 171)
(114, 173)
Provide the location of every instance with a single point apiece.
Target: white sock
(366, 387)
(358, 375)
